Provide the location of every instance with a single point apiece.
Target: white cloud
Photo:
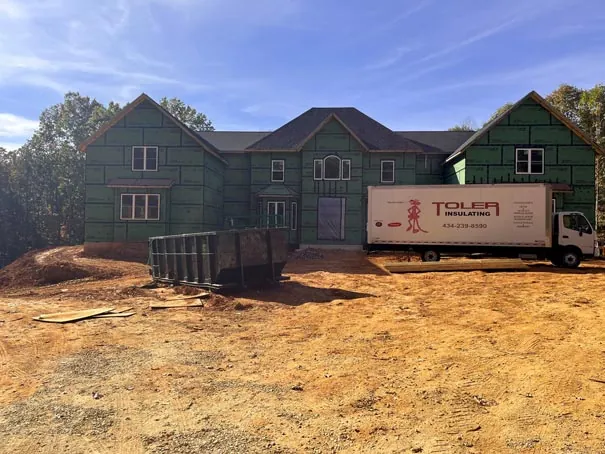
(390, 60)
(12, 9)
(92, 46)
(16, 126)
(10, 146)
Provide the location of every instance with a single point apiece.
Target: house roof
(277, 190)
(233, 140)
(441, 141)
(131, 106)
(371, 134)
(542, 102)
(446, 141)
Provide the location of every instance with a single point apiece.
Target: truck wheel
(431, 256)
(570, 258)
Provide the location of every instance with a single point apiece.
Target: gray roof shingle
(373, 135)
(232, 140)
(446, 141)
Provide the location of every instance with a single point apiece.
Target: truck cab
(573, 239)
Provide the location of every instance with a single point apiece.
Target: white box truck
(506, 220)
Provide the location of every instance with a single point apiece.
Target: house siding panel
(196, 174)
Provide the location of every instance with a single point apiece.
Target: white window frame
(275, 203)
(134, 196)
(294, 216)
(342, 169)
(323, 173)
(145, 148)
(283, 171)
(321, 169)
(382, 163)
(529, 161)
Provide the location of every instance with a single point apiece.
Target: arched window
(331, 168)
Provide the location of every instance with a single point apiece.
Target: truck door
(575, 230)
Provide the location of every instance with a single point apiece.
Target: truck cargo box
(500, 215)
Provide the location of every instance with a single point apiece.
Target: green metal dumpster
(222, 259)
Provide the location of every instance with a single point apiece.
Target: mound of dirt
(51, 266)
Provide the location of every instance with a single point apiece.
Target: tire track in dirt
(13, 369)
(127, 440)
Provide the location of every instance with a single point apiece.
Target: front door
(331, 218)
(575, 230)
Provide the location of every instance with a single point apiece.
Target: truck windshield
(576, 222)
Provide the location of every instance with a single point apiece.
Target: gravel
(306, 254)
(211, 440)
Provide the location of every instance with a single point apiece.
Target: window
(275, 214)
(145, 158)
(277, 170)
(331, 168)
(530, 161)
(576, 222)
(140, 207)
(346, 169)
(318, 166)
(294, 216)
(387, 171)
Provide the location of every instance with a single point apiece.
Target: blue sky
(255, 64)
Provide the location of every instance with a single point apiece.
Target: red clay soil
(52, 266)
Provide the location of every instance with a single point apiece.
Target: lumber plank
(456, 265)
(119, 310)
(114, 314)
(192, 297)
(175, 304)
(72, 316)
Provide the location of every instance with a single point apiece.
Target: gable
(145, 122)
(530, 121)
(332, 137)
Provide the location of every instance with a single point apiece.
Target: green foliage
(586, 108)
(42, 184)
(187, 114)
(500, 111)
(466, 125)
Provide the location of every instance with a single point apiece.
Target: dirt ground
(342, 358)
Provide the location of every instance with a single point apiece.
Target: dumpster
(222, 259)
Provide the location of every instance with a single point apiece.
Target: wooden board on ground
(192, 297)
(457, 265)
(72, 316)
(119, 310)
(114, 314)
(174, 304)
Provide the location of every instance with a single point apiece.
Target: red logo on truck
(414, 217)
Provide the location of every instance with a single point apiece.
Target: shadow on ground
(583, 269)
(296, 294)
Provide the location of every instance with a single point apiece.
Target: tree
(48, 171)
(466, 125)
(187, 114)
(586, 108)
(499, 111)
(16, 235)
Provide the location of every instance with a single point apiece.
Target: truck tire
(431, 255)
(570, 258)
